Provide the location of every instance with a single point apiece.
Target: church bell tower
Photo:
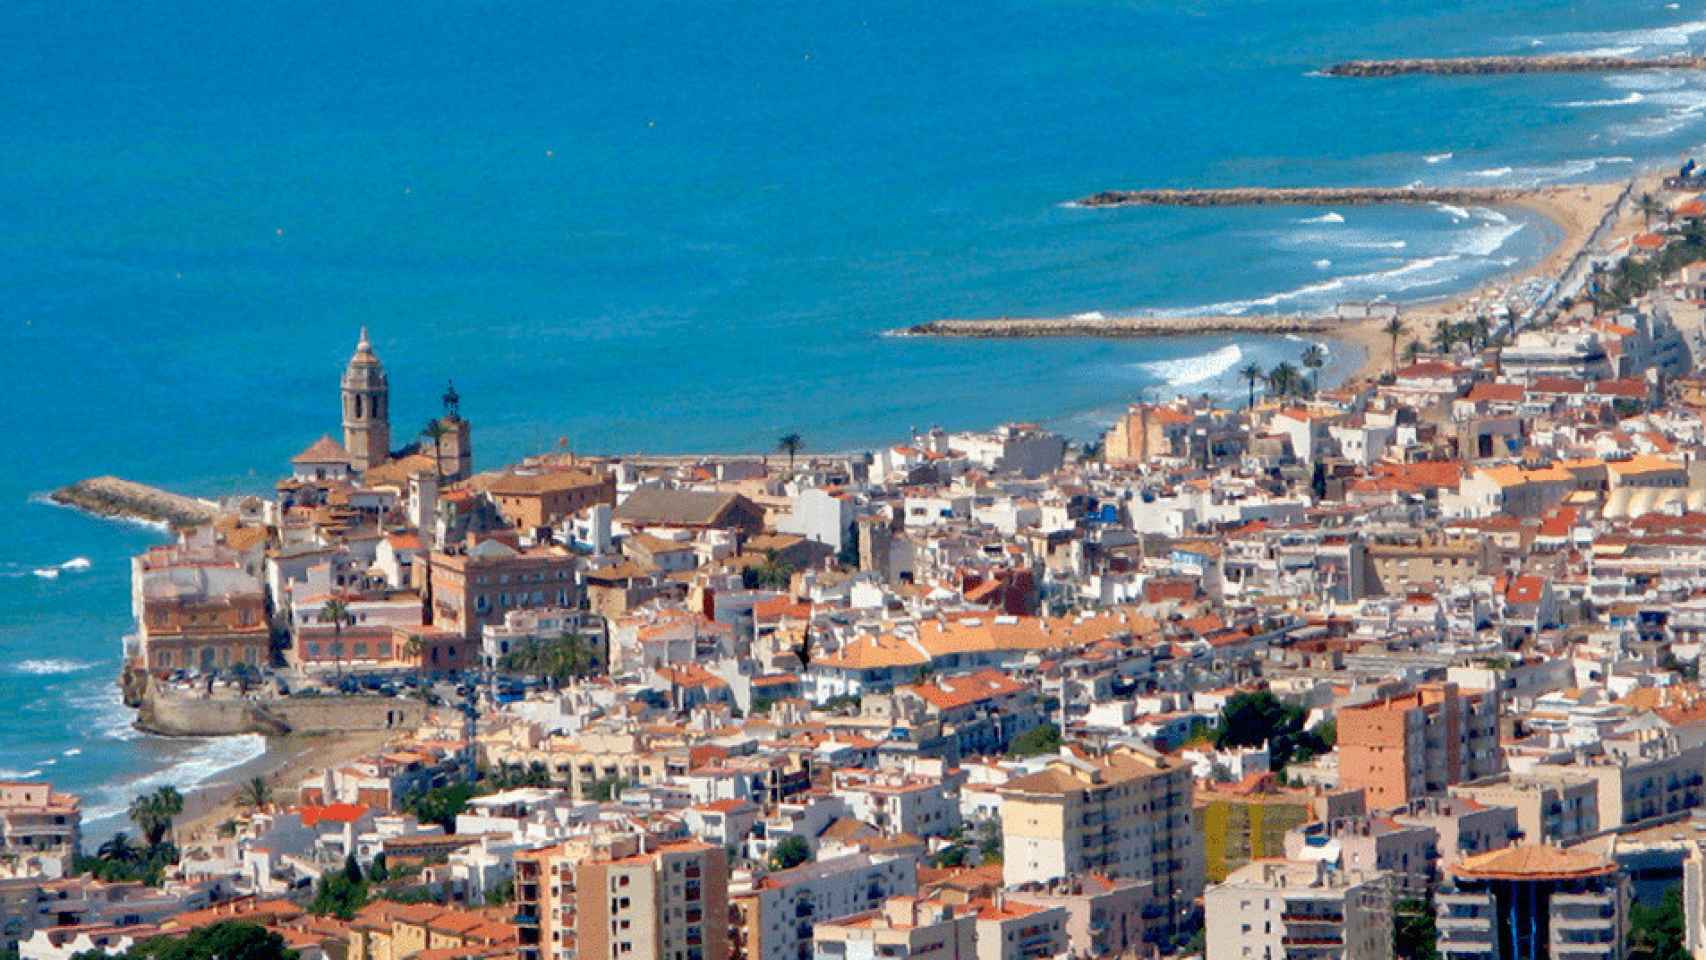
(367, 408)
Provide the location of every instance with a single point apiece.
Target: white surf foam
(1331, 216)
(76, 563)
(50, 667)
(47, 573)
(1323, 263)
(73, 752)
(200, 765)
(1438, 157)
(19, 774)
(1190, 371)
(1454, 212)
(1628, 100)
(1376, 244)
(1492, 172)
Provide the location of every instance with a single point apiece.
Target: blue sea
(684, 226)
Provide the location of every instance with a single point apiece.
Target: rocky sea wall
(1141, 326)
(1489, 66)
(1299, 196)
(117, 497)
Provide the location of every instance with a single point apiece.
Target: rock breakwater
(117, 497)
(1141, 326)
(1490, 66)
(1299, 196)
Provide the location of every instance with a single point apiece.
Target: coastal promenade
(1093, 325)
(1490, 66)
(1300, 196)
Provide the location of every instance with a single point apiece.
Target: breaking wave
(51, 667)
(1190, 371)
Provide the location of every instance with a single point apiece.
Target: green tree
(119, 847)
(608, 790)
(230, 940)
(1649, 208)
(436, 431)
(440, 805)
(791, 852)
(501, 894)
(774, 573)
(790, 444)
(1313, 359)
(1251, 719)
(338, 896)
(352, 869)
(1283, 380)
(1036, 741)
(1251, 373)
(991, 846)
(1394, 329)
(255, 793)
(153, 813)
(1658, 933)
(337, 613)
(1413, 933)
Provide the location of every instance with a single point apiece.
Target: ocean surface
(681, 226)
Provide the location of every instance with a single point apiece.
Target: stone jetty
(1139, 326)
(1299, 196)
(1490, 66)
(117, 497)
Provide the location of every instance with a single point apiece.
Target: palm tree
(436, 431)
(1648, 207)
(119, 848)
(1314, 358)
(1282, 380)
(413, 647)
(255, 794)
(153, 813)
(1480, 331)
(1395, 328)
(1445, 337)
(774, 572)
(336, 612)
(1412, 350)
(790, 444)
(1251, 373)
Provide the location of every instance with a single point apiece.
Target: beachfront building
(201, 618)
(40, 830)
(772, 915)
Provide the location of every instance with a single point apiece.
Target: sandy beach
(1577, 209)
(288, 760)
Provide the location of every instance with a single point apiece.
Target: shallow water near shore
(675, 228)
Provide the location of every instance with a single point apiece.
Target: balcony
(1312, 917)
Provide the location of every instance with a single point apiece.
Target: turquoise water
(677, 226)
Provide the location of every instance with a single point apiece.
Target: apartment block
(1274, 909)
(666, 903)
(1125, 813)
(903, 928)
(772, 915)
(1531, 903)
(1416, 745)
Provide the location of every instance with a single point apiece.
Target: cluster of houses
(976, 694)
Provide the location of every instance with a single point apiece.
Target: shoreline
(1577, 210)
(285, 762)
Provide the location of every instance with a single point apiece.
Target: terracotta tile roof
(1536, 862)
(323, 450)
